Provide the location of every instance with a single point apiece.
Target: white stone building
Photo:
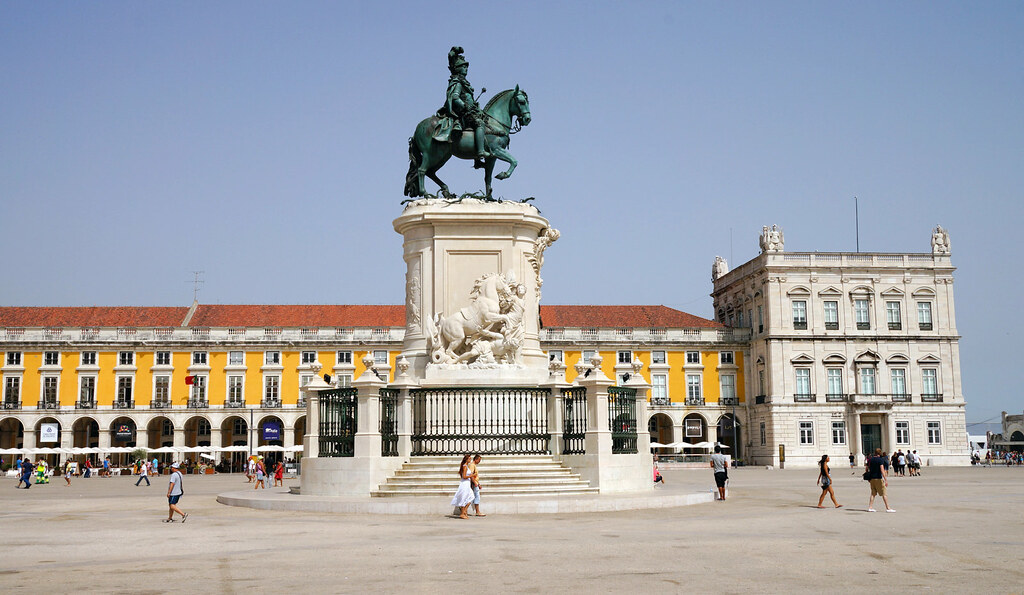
(849, 352)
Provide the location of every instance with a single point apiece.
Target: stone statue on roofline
(940, 241)
(719, 268)
(772, 239)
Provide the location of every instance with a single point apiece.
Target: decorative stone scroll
(488, 332)
(548, 236)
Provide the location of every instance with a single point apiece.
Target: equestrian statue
(462, 129)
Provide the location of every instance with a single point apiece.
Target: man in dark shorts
(174, 493)
(720, 464)
(877, 469)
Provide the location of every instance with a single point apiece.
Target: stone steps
(508, 475)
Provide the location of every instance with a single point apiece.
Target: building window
(87, 390)
(198, 358)
(726, 358)
(760, 382)
(764, 434)
(750, 317)
(658, 357)
(51, 358)
(929, 382)
(126, 358)
(659, 389)
(305, 379)
(728, 382)
(899, 381)
(50, 389)
(693, 357)
(202, 428)
(380, 357)
(344, 357)
(88, 358)
(867, 381)
(862, 314)
(124, 389)
(12, 390)
(199, 389)
(838, 433)
(693, 387)
(934, 432)
(308, 357)
(806, 432)
(235, 394)
(272, 389)
(625, 357)
(163, 358)
(760, 319)
(739, 319)
(238, 428)
(892, 316)
(831, 316)
(13, 358)
(167, 428)
(903, 432)
(803, 382)
(587, 354)
(835, 382)
(236, 358)
(162, 389)
(924, 316)
(272, 358)
(555, 355)
(344, 380)
(799, 314)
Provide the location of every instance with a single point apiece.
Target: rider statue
(461, 108)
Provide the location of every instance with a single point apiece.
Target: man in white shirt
(174, 493)
(720, 464)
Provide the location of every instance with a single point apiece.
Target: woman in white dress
(464, 495)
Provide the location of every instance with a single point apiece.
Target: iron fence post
(643, 389)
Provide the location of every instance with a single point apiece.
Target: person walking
(88, 469)
(143, 473)
(106, 467)
(464, 495)
(825, 480)
(720, 464)
(475, 482)
(26, 473)
(877, 473)
(174, 494)
(261, 474)
(853, 464)
(67, 472)
(279, 474)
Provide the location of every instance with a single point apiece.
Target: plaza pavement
(956, 530)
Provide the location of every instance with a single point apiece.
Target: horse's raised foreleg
(507, 157)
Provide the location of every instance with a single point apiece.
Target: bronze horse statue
(506, 113)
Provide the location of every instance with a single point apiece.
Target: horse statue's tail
(412, 179)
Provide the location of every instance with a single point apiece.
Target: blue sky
(265, 144)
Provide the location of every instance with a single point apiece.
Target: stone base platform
(282, 500)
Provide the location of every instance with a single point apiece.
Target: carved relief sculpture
(412, 298)
(488, 332)
(548, 236)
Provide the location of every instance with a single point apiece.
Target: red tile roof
(298, 316)
(95, 316)
(312, 316)
(621, 317)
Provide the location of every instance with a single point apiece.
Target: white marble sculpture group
(486, 333)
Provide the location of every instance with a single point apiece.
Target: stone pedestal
(448, 246)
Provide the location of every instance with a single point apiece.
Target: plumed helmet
(455, 59)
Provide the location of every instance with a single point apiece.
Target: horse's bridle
(516, 126)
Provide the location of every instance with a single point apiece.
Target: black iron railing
(622, 419)
(47, 404)
(835, 398)
(484, 420)
(574, 420)
(901, 398)
(12, 405)
(338, 409)
(85, 404)
(198, 404)
(159, 404)
(931, 398)
(124, 404)
(805, 398)
(388, 422)
(234, 404)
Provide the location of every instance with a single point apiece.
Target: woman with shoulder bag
(825, 479)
